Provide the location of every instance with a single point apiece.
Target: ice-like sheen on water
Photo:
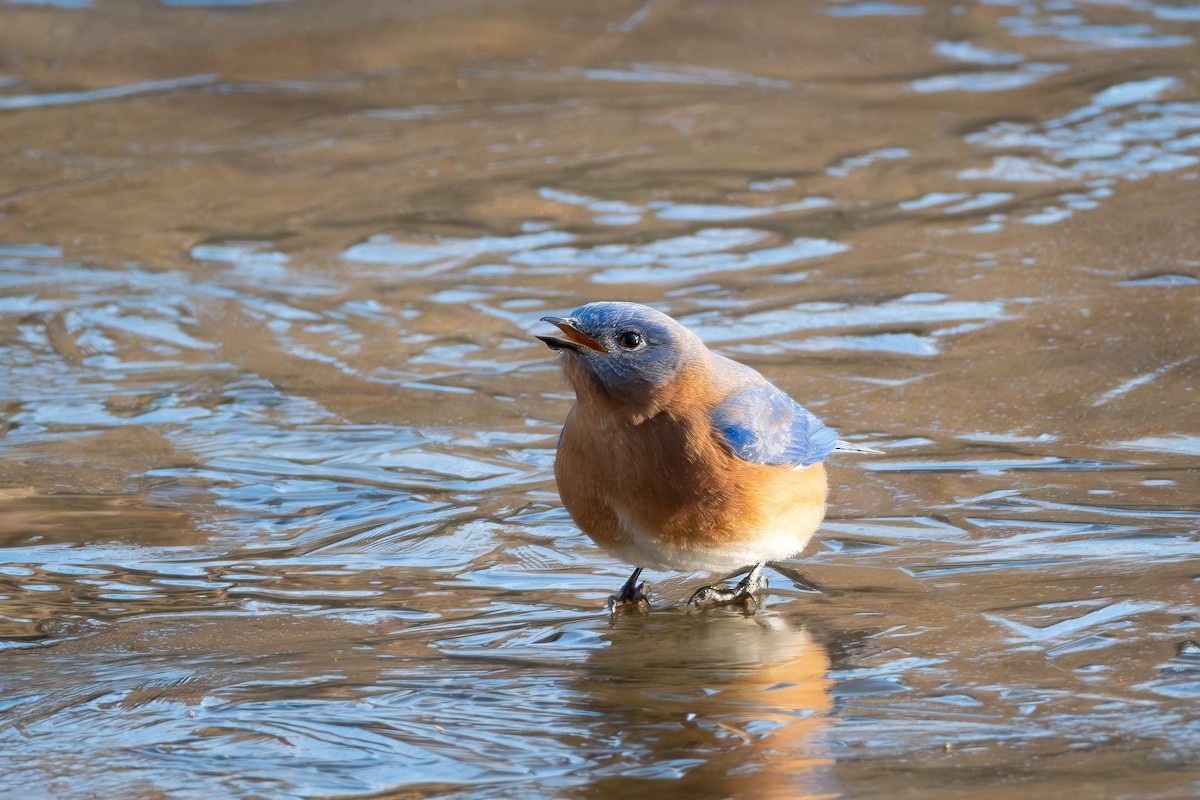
(277, 502)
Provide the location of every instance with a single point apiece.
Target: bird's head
(628, 353)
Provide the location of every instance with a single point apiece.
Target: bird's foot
(744, 594)
(632, 599)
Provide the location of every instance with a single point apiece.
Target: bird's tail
(847, 447)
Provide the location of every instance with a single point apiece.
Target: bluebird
(674, 457)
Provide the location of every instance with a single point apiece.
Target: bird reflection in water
(723, 705)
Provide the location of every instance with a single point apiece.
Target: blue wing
(762, 425)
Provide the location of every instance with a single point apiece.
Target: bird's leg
(798, 579)
(742, 594)
(631, 596)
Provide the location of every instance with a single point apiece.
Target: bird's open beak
(575, 338)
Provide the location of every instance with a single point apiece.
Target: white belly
(787, 536)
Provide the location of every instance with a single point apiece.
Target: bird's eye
(630, 340)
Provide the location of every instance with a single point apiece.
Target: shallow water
(277, 515)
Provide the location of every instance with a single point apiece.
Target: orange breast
(670, 479)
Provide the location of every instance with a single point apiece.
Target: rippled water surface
(277, 514)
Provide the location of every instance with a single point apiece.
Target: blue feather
(762, 425)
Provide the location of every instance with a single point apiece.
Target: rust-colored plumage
(674, 457)
(665, 492)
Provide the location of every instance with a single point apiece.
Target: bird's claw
(720, 595)
(632, 599)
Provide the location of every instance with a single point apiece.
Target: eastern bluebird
(675, 457)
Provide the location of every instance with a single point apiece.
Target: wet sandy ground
(277, 516)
